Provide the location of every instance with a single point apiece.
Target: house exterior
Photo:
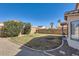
(1, 25)
(36, 28)
(33, 30)
(41, 27)
(72, 18)
(62, 27)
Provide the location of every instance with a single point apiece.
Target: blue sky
(35, 13)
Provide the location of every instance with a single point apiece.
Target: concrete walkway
(8, 48)
(65, 50)
(28, 52)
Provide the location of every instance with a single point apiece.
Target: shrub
(2, 32)
(11, 28)
(27, 28)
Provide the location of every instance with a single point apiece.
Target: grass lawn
(26, 38)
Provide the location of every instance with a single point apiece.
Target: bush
(12, 28)
(2, 32)
(27, 28)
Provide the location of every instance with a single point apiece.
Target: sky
(38, 14)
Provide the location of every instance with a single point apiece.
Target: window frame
(71, 30)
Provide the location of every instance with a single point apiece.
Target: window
(74, 30)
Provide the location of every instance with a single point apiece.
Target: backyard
(38, 41)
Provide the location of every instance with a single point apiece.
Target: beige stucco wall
(33, 30)
(1, 25)
(72, 43)
(72, 18)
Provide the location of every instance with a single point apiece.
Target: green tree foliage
(27, 28)
(51, 25)
(13, 28)
(59, 21)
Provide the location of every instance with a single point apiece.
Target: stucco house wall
(71, 16)
(72, 43)
(1, 25)
(33, 30)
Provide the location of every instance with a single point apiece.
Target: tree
(27, 28)
(59, 21)
(51, 25)
(13, 28)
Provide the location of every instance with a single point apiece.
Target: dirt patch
(45, 43)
